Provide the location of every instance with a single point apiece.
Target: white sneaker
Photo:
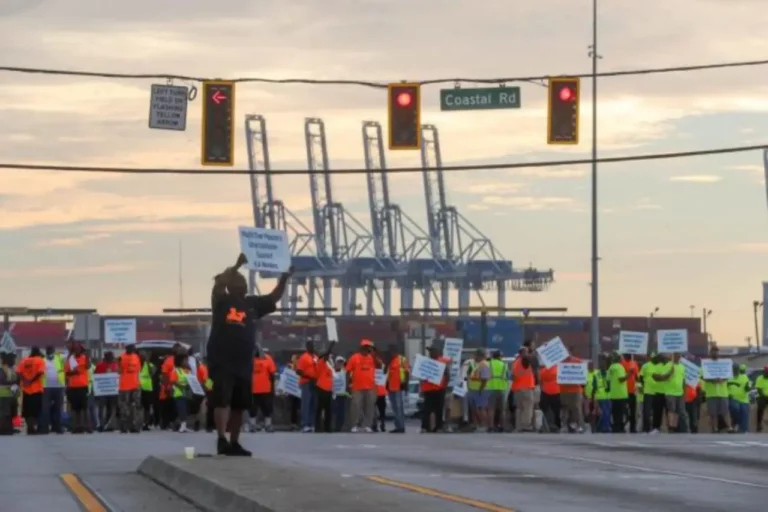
(306, 430)
(183, 428)
(368, 430)
(654, 431)
(355, 430)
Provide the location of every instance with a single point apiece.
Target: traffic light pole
(595, 327)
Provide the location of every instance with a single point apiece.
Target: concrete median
(219, 484)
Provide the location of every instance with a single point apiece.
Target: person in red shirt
(106, 405)
(324, 374)
(434, 395)
(264, 370)
(361, 372)
(398, 375)
(306, 370)
(572, 401)
(129, 398)
(630, 365)
(549, 400)
(31, 371)
(76, 370)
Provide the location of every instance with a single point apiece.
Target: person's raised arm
(221, 280)
(277, 293)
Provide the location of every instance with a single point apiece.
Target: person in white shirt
(53, 397)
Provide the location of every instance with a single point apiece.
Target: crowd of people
(337, 393)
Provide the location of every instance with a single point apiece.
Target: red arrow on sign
(217, 97)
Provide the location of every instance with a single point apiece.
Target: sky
(672, 234)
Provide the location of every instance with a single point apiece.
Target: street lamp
(692, 309)
(705, 313)
(756, 305)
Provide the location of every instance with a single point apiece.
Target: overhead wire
(374, 83)
(396, 170)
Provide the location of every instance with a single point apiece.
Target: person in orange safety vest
(434, 395)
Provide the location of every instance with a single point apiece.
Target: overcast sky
(672, 233)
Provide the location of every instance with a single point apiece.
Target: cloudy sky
(672, 233)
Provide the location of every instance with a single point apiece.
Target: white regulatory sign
(168, 107)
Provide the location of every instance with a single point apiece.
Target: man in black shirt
(231, 347)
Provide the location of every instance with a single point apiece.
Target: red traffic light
(567, 94)
(404, 99)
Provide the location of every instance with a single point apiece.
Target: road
(495, 472)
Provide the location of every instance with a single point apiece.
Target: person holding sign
(716, 392)
(434, 395)
(477, 394)
(671, 378)
(231, 345)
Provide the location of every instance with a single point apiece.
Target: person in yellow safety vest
(497, 387)
(9, 391)
(398, 374)
(716, 392)
(146, 376)
(738, 393)
(53, 395)
(761, 385)
(477, 395)
(602, 389)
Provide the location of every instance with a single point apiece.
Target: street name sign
(487, 98)
(168, 107)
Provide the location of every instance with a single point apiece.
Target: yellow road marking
(426, 491)
(86, 498)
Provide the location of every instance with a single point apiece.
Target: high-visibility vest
(523, 378)
(10, 377)
(145, 377)
(601, 392)
(499, 376)
(474, 377)
(90, 379)
(58, 363)
(178, 390)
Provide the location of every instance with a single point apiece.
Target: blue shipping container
(504, 334)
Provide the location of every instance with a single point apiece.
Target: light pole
(705, 313)
(692, 309)
(595, 330)
(756, 305)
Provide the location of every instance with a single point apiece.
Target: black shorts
(230, 390)
(262, 402)
(78, 398)
(31, 405)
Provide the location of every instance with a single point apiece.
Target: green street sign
(487, 98)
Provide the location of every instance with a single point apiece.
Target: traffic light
(218, 123)
(404, 105)
(563, 118)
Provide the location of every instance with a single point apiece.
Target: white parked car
(413, 401)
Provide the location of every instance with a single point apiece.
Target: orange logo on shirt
(236, 317)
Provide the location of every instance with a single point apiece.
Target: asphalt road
(496, 472)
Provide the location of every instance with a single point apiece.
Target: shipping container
(504, 334)
(38, 334)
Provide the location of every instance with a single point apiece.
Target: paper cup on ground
(189, 452)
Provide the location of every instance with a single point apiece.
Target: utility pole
(595, 329)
